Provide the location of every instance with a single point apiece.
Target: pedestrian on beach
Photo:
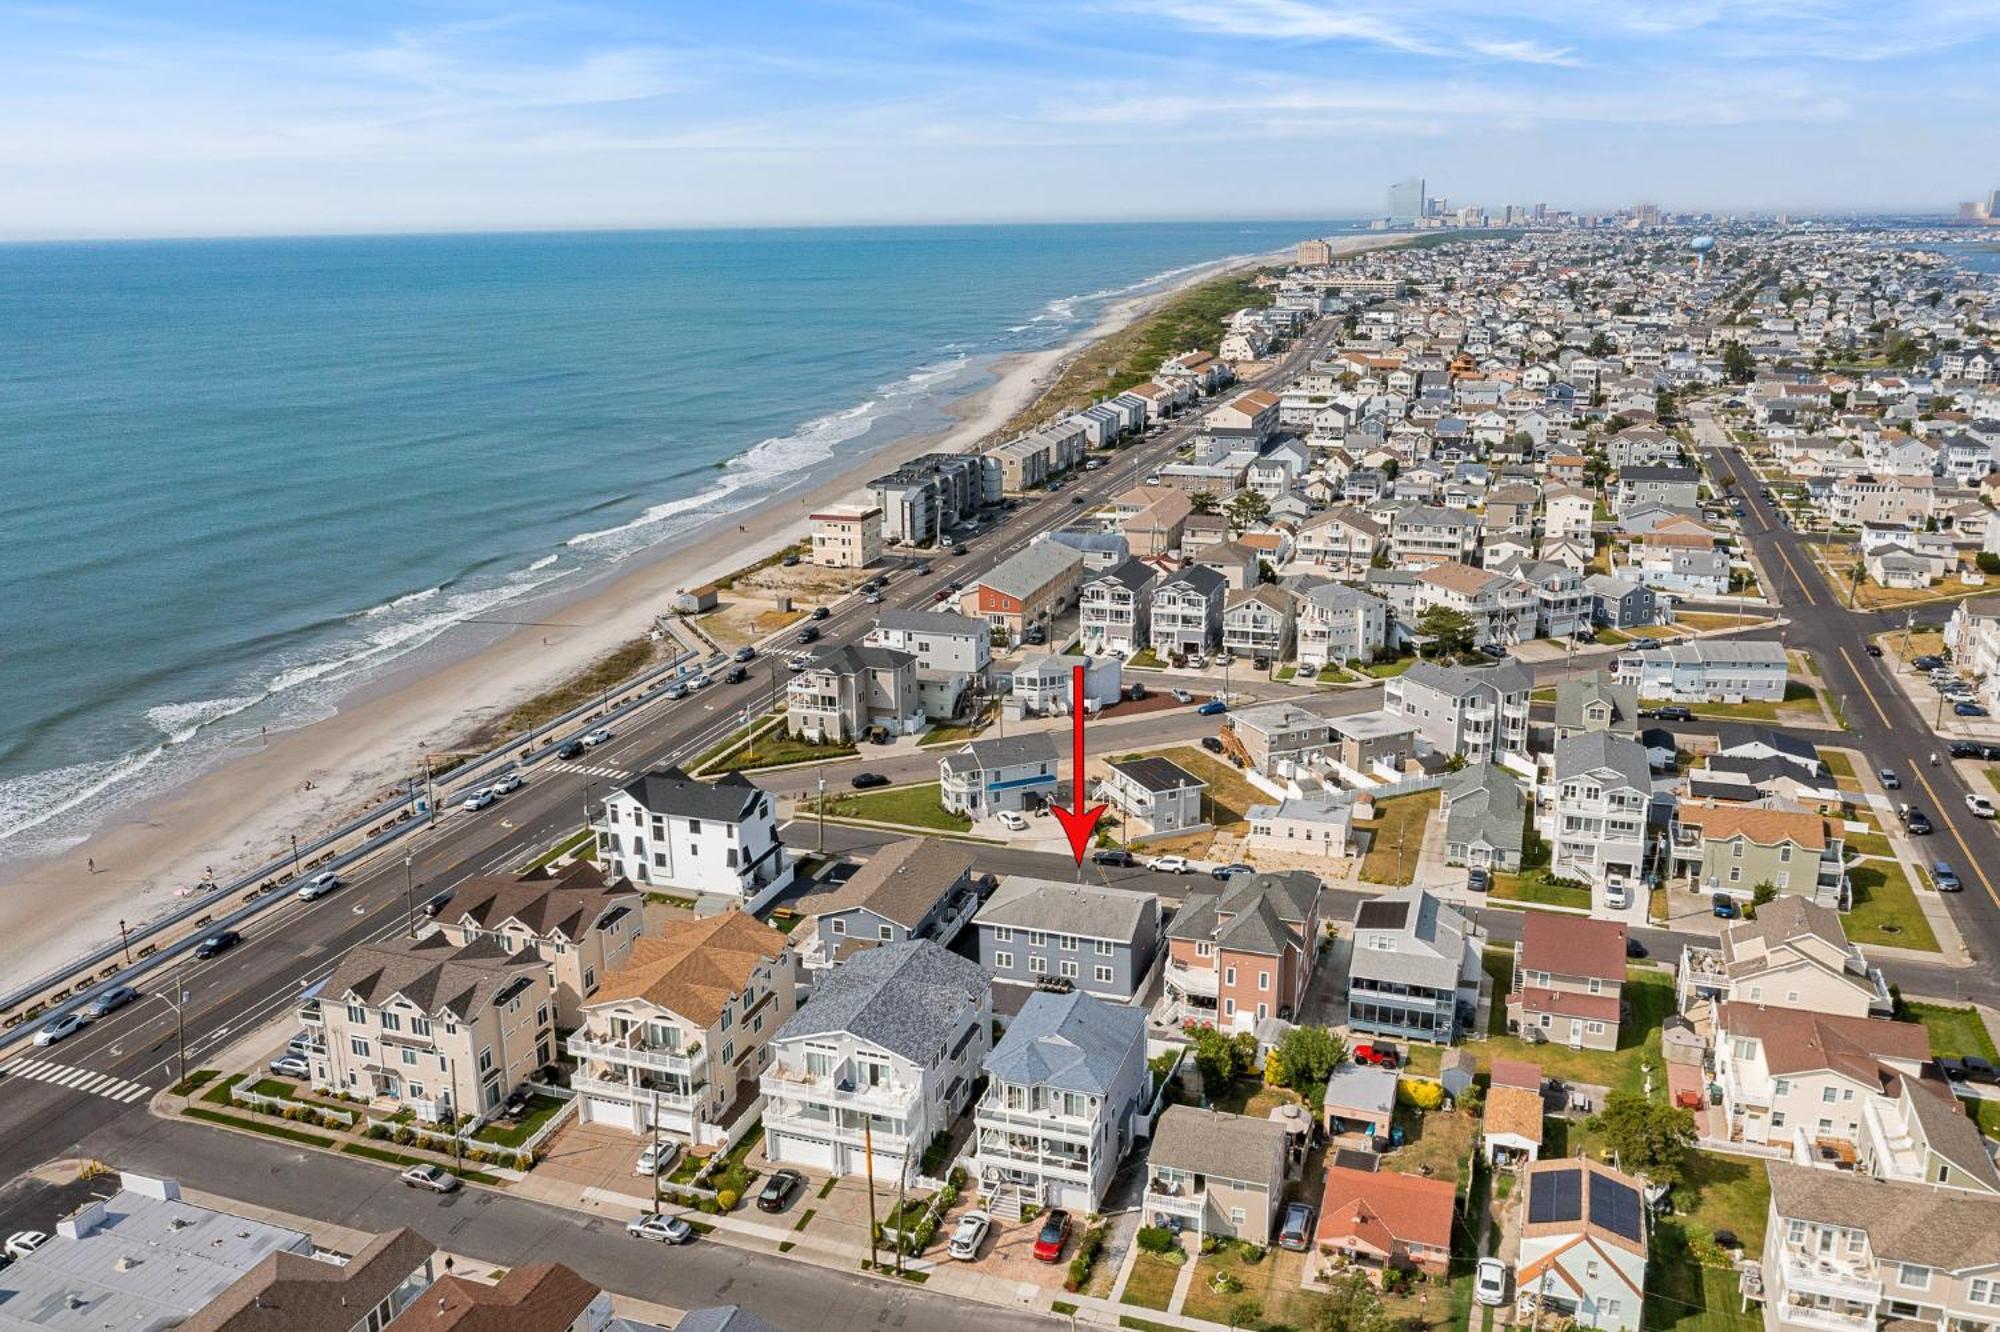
(90, 863)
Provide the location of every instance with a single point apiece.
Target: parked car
(478, 800)
(1724, 906)
(1945, 877)
(1633, 948)
(1223, 873)
(923, 569)
(1967, 749)
(746, 653)
(319, 885)
(1012, 821)
(301, 1044)
(1890, 781)
(1953, 1069)
(1053, 1235)
(790, 562)
(291, 1066)
(675, 692)
(862, 781)
(1183, 696)
(1873, 649)
(968, 1235)
(1212, 744)
(433, 1177)
(508, 783)
(111, 1001)
(1674, 714)
(1489, 1282)
(1380, 1056)
(1478, 879)
(1214, 707)
(1117, 858)
(217, 944)
(1980, 1069)
(59, 1028)
(1170, 865)
(592, 739)
(657, 1158)
(659, 1227)
(1968, 710)
(24, 1242)
(1981, 807)
(570, 749)
(778, 1190)
(1295, 1233)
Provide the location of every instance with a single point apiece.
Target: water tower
(1701, 245)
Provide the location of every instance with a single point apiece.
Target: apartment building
(1795, 954)
(1717, 670)
(1029, 589)
(1973, 635)
(878, 1062)
(1482, 714)
(1115, 609)
(1568, 980)
(1067, 1089)
(847, 691)
(913, 888)
(1243, 952)
(1415, 971)
(926, 497)
(583, 925)
(676, 1038)
(847, 537)
(1215, 1173)
(1102, 941)
(1186, 610)
(1566, 513)
(1336, 624)
(668, 832)
(1791, 1078)
(1597, 812)
(1731, 848)
(1257, 623)
(1156, 794)
(431, 1026)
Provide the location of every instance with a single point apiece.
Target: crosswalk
(87, 1080)
(601, 770)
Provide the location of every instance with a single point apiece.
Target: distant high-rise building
(1406, 202)
(1541, 212)
(1315, 254)
(1993, 204)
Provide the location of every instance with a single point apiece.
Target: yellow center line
(1860, 680)
(1951, 828)
(1804, 590)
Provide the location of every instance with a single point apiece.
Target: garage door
(618, 1114)
(792, 1150)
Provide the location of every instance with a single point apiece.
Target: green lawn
(1248, 1096)
(774, 749)
(1498, 963)
(1682, 1296)
(1229, 792)
(1382, 670)
(958, 735)
(1434, 1139)
(1398, 829)
(1837, 762)
(541, 1109)
(1151, 1284)
(1993, 777)
(1870, 844)
(1797, 697)
(1726, 1193)
(1955, 1032)
(1273, 1282)
(1885, 908)
(912, 806)
(1650, 992)
(1984, 1113)
(1145, 657)
(1533, 886)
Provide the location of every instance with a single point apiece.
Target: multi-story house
(1482, 714)
(845, 692)
(1424, 535)
(1485, 817)
(1791, 1078)
(1187, 610)
(1257, 623)
(1066, 1094)
(1244, 952)
(1595, 702)
(1030, 588)
(1343, 540)
(1280, 739)
(1337, 623)
(671, 833)
(1115, 609)
(1620, 603)
(1502, 608)
(1215, 1173)
(583, 925)
(676, 1037)
(954, 655)
(1157, 793)
(1566, 513)
(878, 1062)
(1719, 670)
(847, 537)
(1596, 812)
(1415, 971)
(1562, 602)
(913, 888)
(1973, 635)
(1843, 1253)
(1569, 974)
(1795, 954)
(1731, 848)
(1038, 931)
(989, 776)
(430, 1026)
(1584, 1246)
(1675, 487)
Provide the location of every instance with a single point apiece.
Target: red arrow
(1079, 823)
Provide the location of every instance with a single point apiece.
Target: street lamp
(819, 777)
(295, 855)
(409, 897)
(180, 1038)
(125, 942)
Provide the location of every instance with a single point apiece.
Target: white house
(665, 830)
(1583, 1245)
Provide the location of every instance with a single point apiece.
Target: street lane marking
(89, 1081)
(1804, 590)
(1952, 828)
(1858, 679)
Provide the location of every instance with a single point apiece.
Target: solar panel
(1615, 1206)
(1555, 1195)
(1382, 915)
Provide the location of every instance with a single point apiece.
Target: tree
(1448, 631)
(1307, 1057)
(1247, 509)
(1600, 344)
(1738, 365)
(1650, 1137)
(1759, 896)
(1201, 502)
(1989, 563)
(1351, 1305)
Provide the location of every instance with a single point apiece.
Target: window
(1829, 1094)
(1796, 1233)
(391, 1022)
(1104, 948)
(1066, 968)
(1263, 981)
(1068, 942)
(1594, 1028)
(1038, 964)
(1915, 1277)
(357, 1015)
(1781, 1087)
(359, 1046)
(1229, 975)
(420, 1026)
(694, 827)
(1037, 938)
(409, 1056)
(1003, 961)
(728, 1052)
(837, 925)
(887, 933)
(1003, 934)
(486, 1060)
(1236, 1216)
(1777, 1119)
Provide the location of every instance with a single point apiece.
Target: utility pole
(820, 778)
(125, 942)
(430, 791)
(409, 897)
(656, 1149)
(295, 855)
(868, 1158)
(902, 1176)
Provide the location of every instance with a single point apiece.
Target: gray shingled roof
(1133, 575)
(1072, 1042)
(671, 791)
(1209, 1142)
(931, 622)
(1485, 802)
(724, 1318)
(1005, 752)
(433, 974)
(1906, 1222)
(855, 659)
(902, 882)
(1597, 687)
(1509, 677)
(1601, 749)
(908, 998)
(1065, 908)
(1031, 569)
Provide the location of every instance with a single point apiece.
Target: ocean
(240, 479)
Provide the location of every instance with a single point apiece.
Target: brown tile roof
(1514, 1110)
(1801, 1042)
(901, 882)
(289, 1292)
(1573, 946)
(537, 1297)
(1765, 827)
(695, 967)
(1382, 1209)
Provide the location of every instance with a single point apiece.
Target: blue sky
(228, 118)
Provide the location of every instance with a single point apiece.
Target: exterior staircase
(1002, 1202)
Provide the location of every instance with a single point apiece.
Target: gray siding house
(1100, 940)
(1416, 968)
(916, 888)
(1620, 603)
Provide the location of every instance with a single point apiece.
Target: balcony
(633, 1093)
(1011, 1151)
(1828, 1320)
(784, 1084)
(1193, 980)
(1177, 1197)
(309, 1014)
(1828, 1276)
(990, 1112)
(640, 1056)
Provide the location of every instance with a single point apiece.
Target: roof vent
(126, 1263)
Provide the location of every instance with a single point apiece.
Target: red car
(1382, 1056)
(1054, 1234)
